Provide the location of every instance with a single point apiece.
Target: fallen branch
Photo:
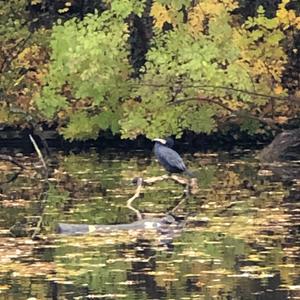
(175, 178)
(13, 178)
(139, 183)
(38, 151)
(191, 184)
(12, 160)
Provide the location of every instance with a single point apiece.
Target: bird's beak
(160, 141)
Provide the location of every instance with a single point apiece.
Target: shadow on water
(240, 239)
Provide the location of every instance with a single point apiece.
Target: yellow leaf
(160, 15)
(196, 19)
(281, 119)
(278, 89)
(92, 228)
(35, 2)
(287, 17)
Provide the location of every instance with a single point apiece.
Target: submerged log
(165, 225)
(285, 147)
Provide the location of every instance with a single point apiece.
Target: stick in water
(38, 151)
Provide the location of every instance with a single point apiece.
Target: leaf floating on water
(129, 282)
(254, 269)
(160, 273)
(4, 287)
(106, 296)
(254, 257)
(15, 203)
(294, 287)
(239, 275)
(265, 173)
(216, 271)
(66, 282)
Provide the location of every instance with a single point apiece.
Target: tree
(205, 65)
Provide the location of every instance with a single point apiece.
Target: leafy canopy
(88, 74)
(195, 76)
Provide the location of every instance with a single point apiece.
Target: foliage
(88, 73)
(205, 64)
(204, 67)
(22, 61)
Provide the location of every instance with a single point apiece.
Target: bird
(168, 158)
(169, 142)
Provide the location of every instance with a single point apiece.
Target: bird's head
(162, 141)
(169, 142)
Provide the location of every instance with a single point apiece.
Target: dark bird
(169, 142)
(169, 158)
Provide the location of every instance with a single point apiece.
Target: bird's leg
(193, 186)
(187, 190)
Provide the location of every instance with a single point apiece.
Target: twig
(13, 178)
(218, 102)
(38, 227)
(214, 101)
(6, 63)
(42, 201)
(217, 87)
(139, 184)
(12, 160)
(37, 130)
(179, 204)
(38, 151)
(175, 178)
(152, 180)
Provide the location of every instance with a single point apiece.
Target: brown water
(240, 237)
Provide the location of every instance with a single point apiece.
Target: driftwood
(167, 225)
(190, 183)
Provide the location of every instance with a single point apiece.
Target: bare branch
(137, 193)
(38, 151)
(12, 160)
(212, 87)
(210, 100)
(267, 121)
(7, 62)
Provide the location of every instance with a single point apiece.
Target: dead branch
(8, 61)
(218, 102)
(139, 183)
(12, 160)
(39, 153)
(180, 180)
(190, 184)
(13, 178)
(217, 87)
(205, 99)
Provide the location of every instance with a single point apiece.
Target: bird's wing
(172, 158)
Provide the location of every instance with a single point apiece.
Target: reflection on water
(240, 238)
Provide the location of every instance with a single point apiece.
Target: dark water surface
(239, 239)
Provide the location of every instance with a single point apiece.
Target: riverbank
(11, 138)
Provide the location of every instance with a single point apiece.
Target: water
(240, 238)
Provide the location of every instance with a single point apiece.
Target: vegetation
(140, 68)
